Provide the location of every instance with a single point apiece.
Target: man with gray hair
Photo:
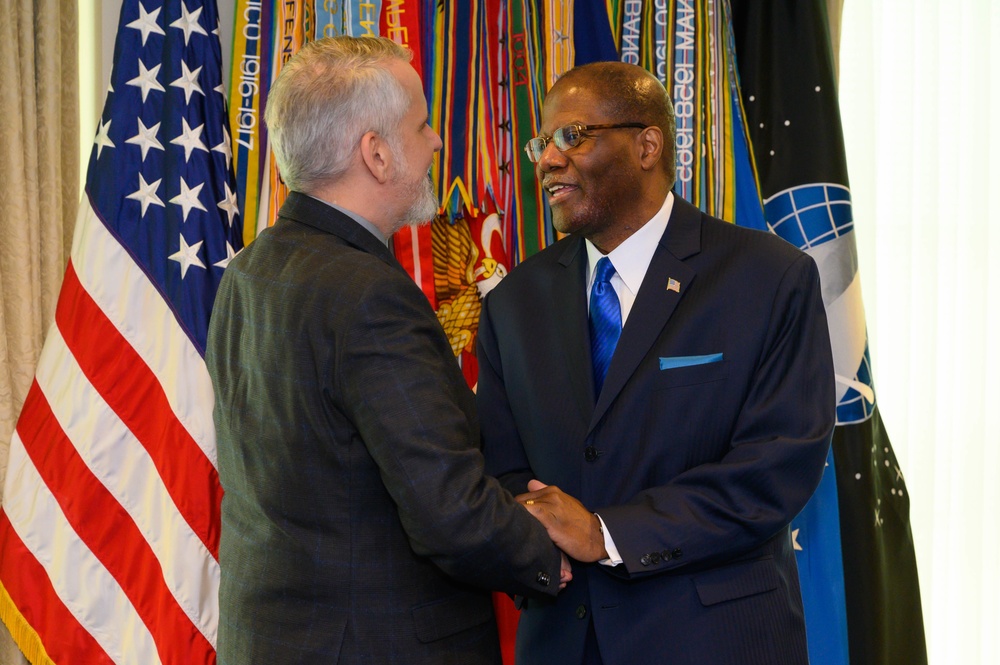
(357, 523)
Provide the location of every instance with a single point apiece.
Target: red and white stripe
(110, 525)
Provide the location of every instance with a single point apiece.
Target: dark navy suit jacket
(709, 436)
(357, 525)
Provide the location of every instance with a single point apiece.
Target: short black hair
(629, 93)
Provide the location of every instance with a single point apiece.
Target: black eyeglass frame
(562, 145)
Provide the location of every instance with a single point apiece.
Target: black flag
(860, 586)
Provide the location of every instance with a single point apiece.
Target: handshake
(574, 529)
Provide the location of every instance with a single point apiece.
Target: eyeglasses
(570, 136)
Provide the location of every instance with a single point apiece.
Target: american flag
(109, 530)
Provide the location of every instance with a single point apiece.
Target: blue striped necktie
(605, 321)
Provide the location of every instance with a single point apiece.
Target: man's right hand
(574, 529)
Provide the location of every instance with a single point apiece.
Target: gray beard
(420, 193)
(425, 203)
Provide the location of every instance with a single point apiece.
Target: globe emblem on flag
(817, 219)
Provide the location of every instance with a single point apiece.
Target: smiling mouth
(559, 191)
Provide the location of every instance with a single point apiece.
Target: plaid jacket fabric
(357, 524)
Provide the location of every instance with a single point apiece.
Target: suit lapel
(666, 281)
(569, 311)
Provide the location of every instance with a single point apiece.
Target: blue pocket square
(687, 361)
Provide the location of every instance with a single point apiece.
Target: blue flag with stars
(160, 174)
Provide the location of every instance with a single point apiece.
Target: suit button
(644, 560)
(654, 558)
(590, 454)
(543, 579)
(665, 555)
(581, 611)
(676, 554)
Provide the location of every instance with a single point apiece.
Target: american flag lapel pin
(673, 285)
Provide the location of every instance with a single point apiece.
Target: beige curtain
(39, 193)
(835, 11)
(39, 184)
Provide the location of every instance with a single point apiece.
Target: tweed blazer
(357, 523)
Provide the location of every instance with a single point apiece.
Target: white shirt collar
(631, 258)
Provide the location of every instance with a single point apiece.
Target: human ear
(376, 155)
(650, 146)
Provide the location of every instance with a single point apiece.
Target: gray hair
(327, 96)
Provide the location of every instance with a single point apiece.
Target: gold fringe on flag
(25, 637)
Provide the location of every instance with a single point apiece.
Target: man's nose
(551, 158)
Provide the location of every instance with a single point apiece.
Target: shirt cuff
(614, 558)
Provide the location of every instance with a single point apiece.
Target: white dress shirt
(631, 261)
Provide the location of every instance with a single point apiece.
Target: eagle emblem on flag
(469, 260)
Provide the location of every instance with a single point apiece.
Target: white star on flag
(187, 256)
(230, 253)
(190, 139)
(188, 22)
(795, 541)
(146, 23)
(226, 148)
(188, 198)
(102, 141)
(146, 80)
(146, 194)
(146, 138)
(229, 203)
(188, 81)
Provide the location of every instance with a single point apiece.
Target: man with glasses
(659, 389)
